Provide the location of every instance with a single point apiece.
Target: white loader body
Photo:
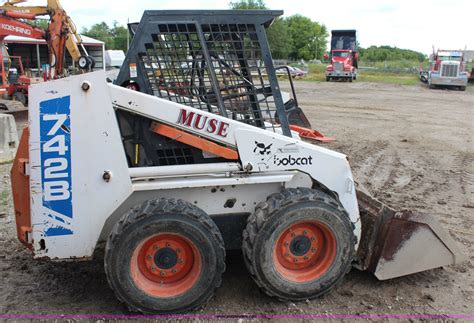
(80, 182)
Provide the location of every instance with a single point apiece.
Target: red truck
(344, 56)
(448, 69)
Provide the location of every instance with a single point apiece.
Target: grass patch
(317, 73)
(402, 79)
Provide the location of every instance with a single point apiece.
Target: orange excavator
(60, 35)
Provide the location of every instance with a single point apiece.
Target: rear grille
(449, 70)
(339, 66)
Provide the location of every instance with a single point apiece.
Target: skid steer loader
(171, 181)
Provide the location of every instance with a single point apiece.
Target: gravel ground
(409, 146)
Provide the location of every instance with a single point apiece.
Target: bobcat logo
(262, 149)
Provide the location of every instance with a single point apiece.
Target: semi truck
(344, 56)
(448, 69)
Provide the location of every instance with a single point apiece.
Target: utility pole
(128, 34)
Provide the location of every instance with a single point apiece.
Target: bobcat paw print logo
(262, 149)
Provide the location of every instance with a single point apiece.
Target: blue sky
(413, 24)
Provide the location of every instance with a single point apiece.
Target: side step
(395, 244)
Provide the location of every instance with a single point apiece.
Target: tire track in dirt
(465, 162)
(377, 169)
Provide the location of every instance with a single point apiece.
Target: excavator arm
(61, 34)
(11, 26)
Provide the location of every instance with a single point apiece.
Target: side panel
(74, 140)
(265, 151)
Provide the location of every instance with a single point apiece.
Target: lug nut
(162, 273)
(178, 250)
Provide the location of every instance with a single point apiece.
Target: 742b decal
(55, 135)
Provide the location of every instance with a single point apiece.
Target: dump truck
(344, 56)
(167, 183)
(448, 69)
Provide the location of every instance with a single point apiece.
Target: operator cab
(5, 66)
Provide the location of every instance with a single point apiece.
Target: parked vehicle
(448, 69)
(344, 56)
(294, 71)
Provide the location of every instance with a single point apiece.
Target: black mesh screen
(213, 67)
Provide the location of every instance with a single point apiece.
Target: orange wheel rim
(165, 265)
(304, 251)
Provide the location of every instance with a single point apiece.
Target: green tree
(120, 34)
(279, 39)
(388, 53)
(114, 38)
(308, 38)
(248, 4)
(320, 39)
(102, 32)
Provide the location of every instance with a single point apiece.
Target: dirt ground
(409, 146)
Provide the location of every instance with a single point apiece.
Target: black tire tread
(148, 209)
(262, 214)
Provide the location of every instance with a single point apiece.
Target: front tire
(299, 244)
(165, 256)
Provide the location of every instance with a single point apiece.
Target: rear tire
(328, 79)
(165, 256)
(462, 88)
(299, 244)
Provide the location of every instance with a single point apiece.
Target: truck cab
(342, 65)
(448, 68)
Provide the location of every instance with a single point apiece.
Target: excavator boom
(61, 34)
